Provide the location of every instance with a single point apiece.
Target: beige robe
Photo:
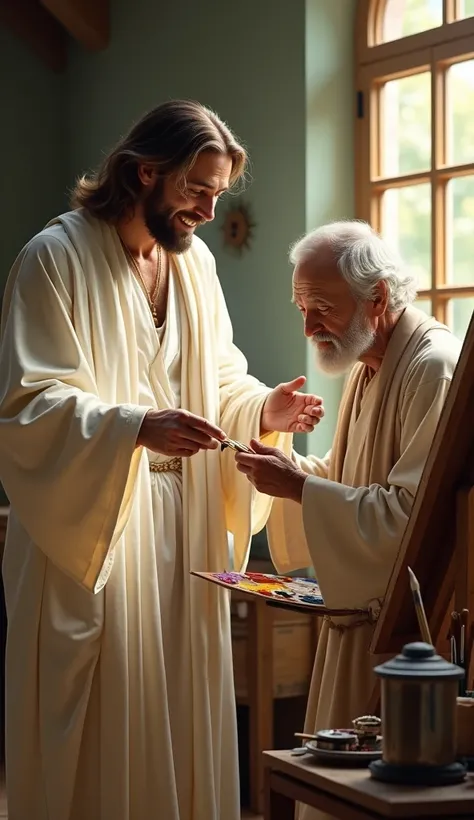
(120, 701)
(356, 505)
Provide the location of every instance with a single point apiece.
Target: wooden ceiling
(47, 26)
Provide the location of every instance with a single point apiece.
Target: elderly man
(346, 513)
(118, 379)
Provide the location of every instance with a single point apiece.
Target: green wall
(32, 146)
(329, 194)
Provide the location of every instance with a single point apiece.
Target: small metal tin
(367, 725)
(368, 731)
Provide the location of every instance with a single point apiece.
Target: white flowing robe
(120, 700)
(356, 503)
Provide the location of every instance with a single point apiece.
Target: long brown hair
(170, 137)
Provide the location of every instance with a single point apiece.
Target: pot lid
(418, 660)
(336, 735)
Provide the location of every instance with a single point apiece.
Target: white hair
(363, 258)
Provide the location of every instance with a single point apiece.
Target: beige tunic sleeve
(285, 528)
(67, 459)
(353, 533)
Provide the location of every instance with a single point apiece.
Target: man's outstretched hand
(288, 411)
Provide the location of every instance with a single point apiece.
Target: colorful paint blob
(280, 587)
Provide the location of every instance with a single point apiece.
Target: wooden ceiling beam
(31, 23)
(88, 21)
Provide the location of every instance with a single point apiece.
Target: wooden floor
(4, 814)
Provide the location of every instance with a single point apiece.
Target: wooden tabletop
(358, 787)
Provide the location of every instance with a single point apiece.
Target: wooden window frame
(376, 62)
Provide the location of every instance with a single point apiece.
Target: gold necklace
(151, 298)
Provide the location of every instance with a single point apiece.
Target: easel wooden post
(463, 593)
(438, 543)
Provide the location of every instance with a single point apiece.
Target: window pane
(460, 103)
(424, 305)
(406, 224)
(405, 17)
(465, 9)
(459, 315)
(406, 124)
(460, 231)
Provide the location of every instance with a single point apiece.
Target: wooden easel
(438, 543)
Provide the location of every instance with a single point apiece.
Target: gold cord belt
(373, 613)
(347, 627)
(174, 465)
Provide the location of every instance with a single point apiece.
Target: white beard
(342, 353)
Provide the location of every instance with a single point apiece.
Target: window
(415, 143)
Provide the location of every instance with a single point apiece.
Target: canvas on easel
(438, 543)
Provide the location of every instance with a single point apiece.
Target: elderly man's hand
(288, 411)
(271, 472)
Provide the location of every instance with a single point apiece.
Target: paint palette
(277, 588)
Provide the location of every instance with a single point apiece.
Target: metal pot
(419, 690)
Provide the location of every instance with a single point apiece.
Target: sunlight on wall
(330, 98)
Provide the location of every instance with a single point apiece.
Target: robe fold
(356, 503)
(120, 701)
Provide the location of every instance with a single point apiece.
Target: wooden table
(352, 794)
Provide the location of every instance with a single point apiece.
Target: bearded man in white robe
(345, 514)
(119, 378)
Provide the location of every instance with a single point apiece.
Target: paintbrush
(235, 445)
(463, 649)
(470, 647)
(419, 608)
(459, 643)
(455, 636)
(464, 619)
(454, 654)
(305, 735)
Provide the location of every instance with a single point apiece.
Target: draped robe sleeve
(68, 459)
(286, 531)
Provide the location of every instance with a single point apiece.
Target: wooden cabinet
(273, 652)
(291, 636)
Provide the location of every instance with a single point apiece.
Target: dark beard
(159, 222)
